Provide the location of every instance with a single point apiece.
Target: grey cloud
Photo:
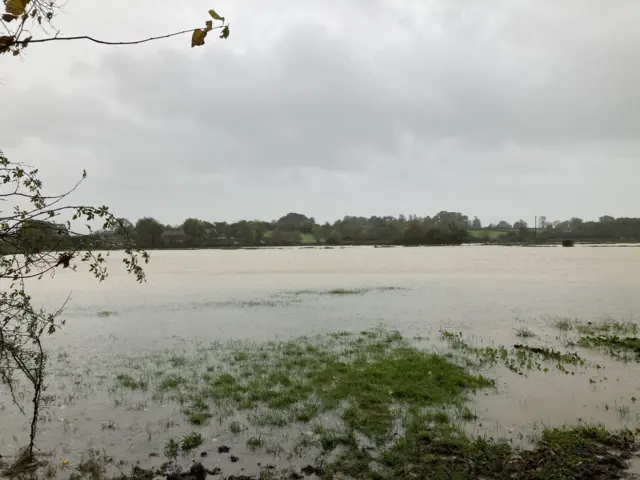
(403, 98)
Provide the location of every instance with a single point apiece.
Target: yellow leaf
(215, 16)
(197, 39)
(209, 24)
(16, 7)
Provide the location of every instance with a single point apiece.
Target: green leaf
(197, 39)
(225, 32)
(209, 24)
(7, 17)
(215, 16)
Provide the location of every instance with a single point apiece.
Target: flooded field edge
(369, 404)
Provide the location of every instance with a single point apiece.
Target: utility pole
(535, 237)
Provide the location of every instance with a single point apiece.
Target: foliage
(20, 15)
(36, 230)
(36, 240)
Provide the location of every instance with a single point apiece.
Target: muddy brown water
(195, 297)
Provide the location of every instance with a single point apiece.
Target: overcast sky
(501, 108)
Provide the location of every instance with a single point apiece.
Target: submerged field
(371, 404)
(381, 373)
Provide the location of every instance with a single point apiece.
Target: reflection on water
(196, 297)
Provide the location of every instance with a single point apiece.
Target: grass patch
(519, 359)
(343, 291)
(622, 348)
(524, 333)
(93, 464)
(171, 382)
(124, 380)
(605, 326)
(172, 448)
(442, 451)
(198, 411)
(361, 380)
(106, 313)
(563, 324)
(255, 443)
(191, 441)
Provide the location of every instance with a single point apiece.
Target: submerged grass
(604, 326)
(622, 348)
(524, 333)
(443, 451)
(363, 380)
(519, 359)
(372, 406)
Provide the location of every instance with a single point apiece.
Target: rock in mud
(223, 449)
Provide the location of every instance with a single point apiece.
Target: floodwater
(194, 297)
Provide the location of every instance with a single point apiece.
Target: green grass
(492, 234)
(442, 451)
(524, 333)
(360, 379)
(519, 359)
(607, 325)
(372, 405)
(192, 441)
(343, 291)
(622, 348)
(563, 324)
(127, 381)
(254, 443)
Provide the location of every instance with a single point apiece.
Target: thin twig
(104, 42)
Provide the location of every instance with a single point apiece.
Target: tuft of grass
(307, 412)
(171, 382)
(93, 464)
(524, 333)
(106, 313)
(254, 443)
(235, 427)
(178, 361)
(198, 411)
(563, 324)
(192, 441)
(127, 381)
(172, 448)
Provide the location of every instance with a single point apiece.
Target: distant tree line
(443, 228)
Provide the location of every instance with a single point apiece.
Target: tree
(35, 241)
(520, 224)
(32, 242)
(542, 222)
(414, 234)
(504, 224)
(476, 223)
(149, 232)
(195, 230)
